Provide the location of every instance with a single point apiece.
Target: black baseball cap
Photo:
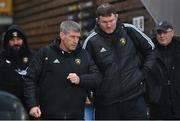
(163, 26)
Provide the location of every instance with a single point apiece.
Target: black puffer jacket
(117, 58)
(13, 66)
(169, 63)
(57, 97)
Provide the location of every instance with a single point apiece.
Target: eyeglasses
(164, 32)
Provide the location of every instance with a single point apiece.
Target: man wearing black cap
(14, 60)
(168, 58)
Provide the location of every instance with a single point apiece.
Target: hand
(74, 78)
(35, 112)
(87, 102)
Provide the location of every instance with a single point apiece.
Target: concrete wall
(164, 10)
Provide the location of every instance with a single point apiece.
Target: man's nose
(76, 39)
(16, 42)
(108, 24)
(161, 34)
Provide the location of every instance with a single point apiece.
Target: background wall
(164, 10)
(41, 18)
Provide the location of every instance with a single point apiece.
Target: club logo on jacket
(78, 61)
(25, 59)
(103, 50)
(14, 34)
(122, 41)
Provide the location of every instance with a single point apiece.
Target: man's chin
(109, 32)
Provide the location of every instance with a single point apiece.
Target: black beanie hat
(14, 33)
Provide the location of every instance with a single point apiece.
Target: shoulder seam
(87, 39)
(140, 32)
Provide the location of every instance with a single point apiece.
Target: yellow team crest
(25, 59)
(122, 41)
(15, 34)
(78, 61)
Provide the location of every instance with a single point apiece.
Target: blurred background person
(14, 59)
(11, 107)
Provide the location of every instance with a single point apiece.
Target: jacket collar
(55, 45)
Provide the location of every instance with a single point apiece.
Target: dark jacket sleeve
(31, 79)
(93, 78)
(145, 46)
(150, 66)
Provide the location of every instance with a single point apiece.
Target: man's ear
(61, 34)
(96, 20)
(116, 15)
(173, 32)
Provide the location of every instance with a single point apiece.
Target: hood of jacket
(8, 35)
